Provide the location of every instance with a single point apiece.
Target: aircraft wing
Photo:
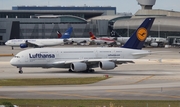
(117, 61)
(34, 44)
(92, 62)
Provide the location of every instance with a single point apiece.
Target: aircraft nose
(13, 61)
(6, 43)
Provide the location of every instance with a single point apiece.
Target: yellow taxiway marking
(145, 94)
(150, 89)
(3, 97)
(132, 78)
(143, 79)
(74, 95)
(3, 55)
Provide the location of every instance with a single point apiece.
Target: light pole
(159, 29)
(127, 29)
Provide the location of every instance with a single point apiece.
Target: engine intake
(107, 65)
(23, 45)
(78, 66)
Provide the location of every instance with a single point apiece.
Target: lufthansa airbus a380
(85, 59)
(24, 43)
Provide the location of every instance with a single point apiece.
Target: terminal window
(2, 30)
(1, 37)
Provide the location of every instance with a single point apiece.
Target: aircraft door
(58, 55)
(117, 54)
(96, 53)
(113, 54)
(26, 59)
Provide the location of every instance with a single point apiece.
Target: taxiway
(155, 77)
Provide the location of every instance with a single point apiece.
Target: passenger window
(17, 56)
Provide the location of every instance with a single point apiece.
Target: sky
(121, 5)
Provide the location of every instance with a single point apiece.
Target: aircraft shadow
(112, 73)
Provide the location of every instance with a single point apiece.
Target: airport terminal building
(166, 24)
(44, 21)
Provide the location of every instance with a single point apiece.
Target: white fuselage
(46, 57)
(159, 39)
(104, 40)
(42, 42)
(79, 40)
(123, 40)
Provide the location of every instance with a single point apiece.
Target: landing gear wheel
(91, 70)
(70, 70)
(20, 72)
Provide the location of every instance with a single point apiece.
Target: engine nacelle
(84, 41)
(154, 44)
(78, 66)
(23, 45)
(107, 65)
(118, 43)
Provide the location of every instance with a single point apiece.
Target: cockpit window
(16, 56)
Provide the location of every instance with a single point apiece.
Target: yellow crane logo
(141, 34)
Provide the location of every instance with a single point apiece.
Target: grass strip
(50, 81)
(89, 103)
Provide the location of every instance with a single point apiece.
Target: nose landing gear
(20, 70)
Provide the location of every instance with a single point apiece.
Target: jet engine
(154, 44)
(78, 66)
(84, 41)
(107, 65)
(23, 45)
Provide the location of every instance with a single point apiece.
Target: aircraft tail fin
(92, 36)
(59, 34)
(136, 41)
(67, 34)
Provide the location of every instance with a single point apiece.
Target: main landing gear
(86, 71)
(91, 70)
(70, 70)
(20, 70)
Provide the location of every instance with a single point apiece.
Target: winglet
(136, 41)
(67, 34)
(92, 36)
